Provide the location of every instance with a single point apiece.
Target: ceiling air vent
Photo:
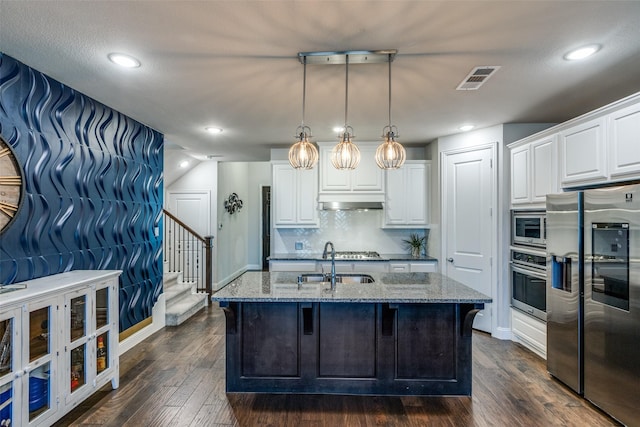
(477, 77)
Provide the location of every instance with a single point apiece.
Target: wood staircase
(188, 271)
(181, 301)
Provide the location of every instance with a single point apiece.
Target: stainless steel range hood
(350, 206)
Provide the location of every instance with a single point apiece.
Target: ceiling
(234, 64)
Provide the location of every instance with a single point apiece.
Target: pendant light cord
(389, 90)
(346, 94)
(304, 88)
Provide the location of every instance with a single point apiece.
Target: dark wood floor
(176, 378)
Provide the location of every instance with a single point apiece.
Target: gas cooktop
(357, 255)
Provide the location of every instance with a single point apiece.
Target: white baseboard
(502, 333)
(158, 315)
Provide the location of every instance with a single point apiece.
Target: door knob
(450, 259)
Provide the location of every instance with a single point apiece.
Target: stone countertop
(318, 257)
(256, 286)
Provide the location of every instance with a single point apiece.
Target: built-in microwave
(529, 228)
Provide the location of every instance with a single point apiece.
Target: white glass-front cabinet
(58, 345)
(294, 196)
(406, 200)
(89, 333)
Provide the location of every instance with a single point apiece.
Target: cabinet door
(307, 197)
(284, 195)
(41, 379)
(520, 187)
(583, 154)
(347, 352)
(416, 194)
(624, 143)
(543, 169)
(270, 340)
(332, 179)
(395, 199)
(77, 346)
(367, 176)
(426, 341)
(10, 367)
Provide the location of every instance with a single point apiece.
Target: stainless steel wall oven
(529, 282)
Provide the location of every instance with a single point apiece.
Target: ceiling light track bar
(354, 57)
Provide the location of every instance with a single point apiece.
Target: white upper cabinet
(294, 196)
(520, 175)
(406, 200)
(624, 143)
(583, 153)
(534, 171)
(366, 178)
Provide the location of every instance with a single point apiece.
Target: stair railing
(186, 252)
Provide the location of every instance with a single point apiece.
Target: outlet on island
(299, 246)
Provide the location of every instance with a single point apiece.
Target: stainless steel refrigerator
(593, 296)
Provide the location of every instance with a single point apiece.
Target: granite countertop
(256, 286)
(318, 257)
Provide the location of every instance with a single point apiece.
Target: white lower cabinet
(530, 332)
(58, 345)
(413, 267)
(302, 266)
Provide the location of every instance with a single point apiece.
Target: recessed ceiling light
(124, 60)
(184, 164)
(582, 53)
(212, 129)
(465, 128)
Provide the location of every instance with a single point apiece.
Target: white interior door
(193, 208)
(469, 235)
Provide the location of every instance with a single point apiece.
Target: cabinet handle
(307, 319)
(388, 317)
(449, 259)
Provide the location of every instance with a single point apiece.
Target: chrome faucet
(333, 263)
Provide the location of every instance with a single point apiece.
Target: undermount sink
(340, 278)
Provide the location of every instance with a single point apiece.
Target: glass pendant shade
(303, 154)
(390, 154)
(345, 155)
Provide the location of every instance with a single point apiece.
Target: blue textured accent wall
(93, 193)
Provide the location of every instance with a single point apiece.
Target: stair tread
(185, 303)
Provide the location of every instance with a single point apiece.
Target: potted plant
(416, 243)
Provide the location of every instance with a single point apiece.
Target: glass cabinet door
(9, 365)
(41, 328)
(102, 308)
(78, 321)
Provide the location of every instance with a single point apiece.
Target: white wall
(259, 176)
(204, 177)
(502, 135)
(233, 229)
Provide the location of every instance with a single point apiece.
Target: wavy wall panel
(93, 194)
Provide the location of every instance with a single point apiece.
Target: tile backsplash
(348, 230)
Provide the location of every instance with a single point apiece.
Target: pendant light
(303, 154)
(346, 155)
(390, 154)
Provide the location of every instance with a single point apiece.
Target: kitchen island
(403, 334)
